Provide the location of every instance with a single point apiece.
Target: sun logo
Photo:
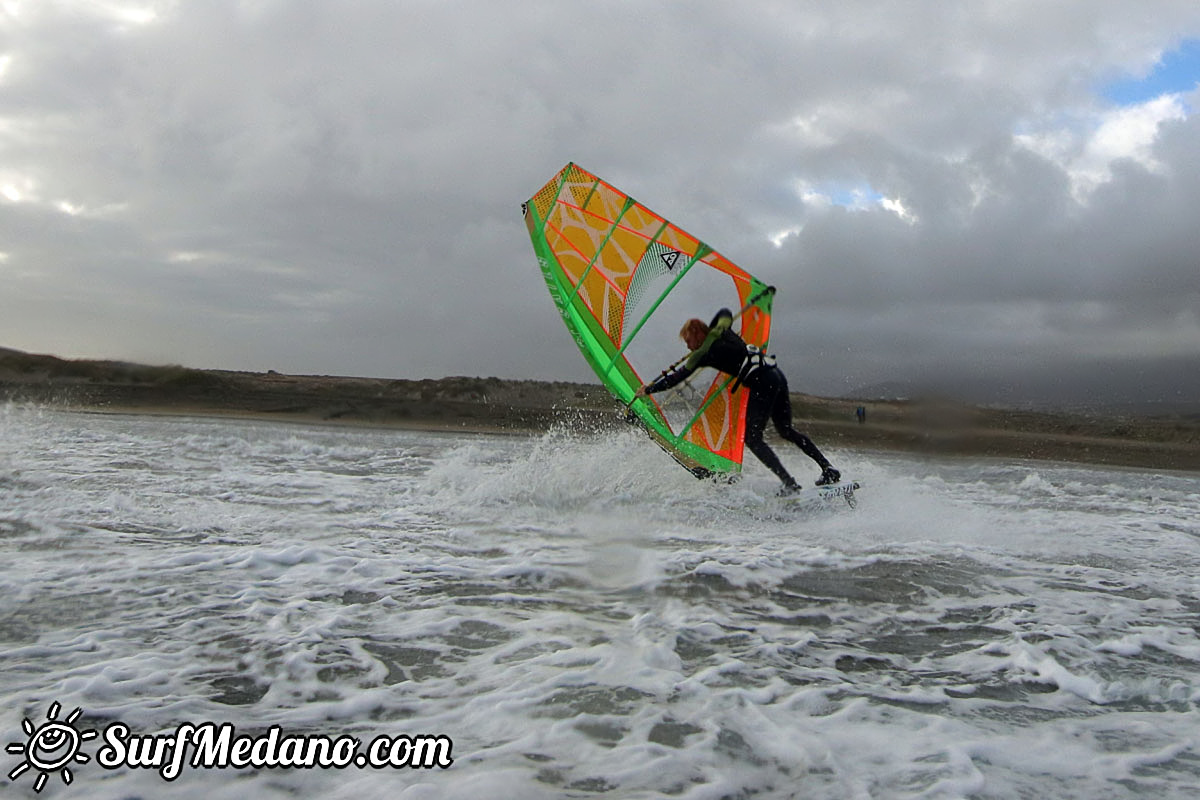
(52, 747)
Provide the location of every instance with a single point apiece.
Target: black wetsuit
(724, 350)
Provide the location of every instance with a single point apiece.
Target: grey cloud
(319, 187)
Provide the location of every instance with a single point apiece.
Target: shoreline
(429, 426)
(830, 436)
(523, 407)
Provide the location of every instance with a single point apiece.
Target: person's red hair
(693, 327)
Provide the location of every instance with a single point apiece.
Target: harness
(755, 360)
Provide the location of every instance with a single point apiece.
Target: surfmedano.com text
(215, 746)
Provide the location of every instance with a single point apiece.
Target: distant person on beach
(716, 345)
(861, 412)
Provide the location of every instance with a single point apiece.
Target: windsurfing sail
(625, 279)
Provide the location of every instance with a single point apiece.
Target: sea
(569, 614)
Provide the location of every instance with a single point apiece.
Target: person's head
(693, 333)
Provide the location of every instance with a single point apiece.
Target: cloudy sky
(941, 191)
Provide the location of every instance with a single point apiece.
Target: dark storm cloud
(321, 187)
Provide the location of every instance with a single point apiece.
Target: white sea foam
(583, 618)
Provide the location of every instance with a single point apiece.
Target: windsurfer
(716, 345)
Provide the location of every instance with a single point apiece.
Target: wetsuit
(724, 350)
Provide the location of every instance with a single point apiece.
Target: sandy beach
(1168, 442)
